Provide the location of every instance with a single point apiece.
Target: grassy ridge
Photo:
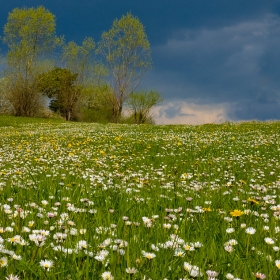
(91, 201)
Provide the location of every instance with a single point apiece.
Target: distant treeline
(44, 76)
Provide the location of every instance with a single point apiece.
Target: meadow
(93, 201)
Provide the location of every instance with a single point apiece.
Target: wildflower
(47, 264)
(230, 230)
(236, 213)
(259, 275)
(187, 266)
(211, 274)
(31, 223)
(73, 231)
(82, 244)
(193, 270)
(269, 240)
(71, 223)
(15, 239)
(147, 222)
(229, 276)
(250, 230)
(231, 242)
(229, 248)
(100, 258)
(44, 202)
(38, 239)
(253, 201)
(3, 262)
(12, 277)
(60, 237)
(50, 214)
(277, 262)
(167, 226)
(266, 228)
(131, 270)
(188, 247)
(16, 257)
(154, 247)
(147, 255)
(179, 253)
(197, 244)
(107, 275)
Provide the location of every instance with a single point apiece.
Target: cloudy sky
(213, 61)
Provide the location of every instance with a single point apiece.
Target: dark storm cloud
(162, 18)
(256, 109)
(234, 63)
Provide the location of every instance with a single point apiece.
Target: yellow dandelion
(253, 201)
(236, 213)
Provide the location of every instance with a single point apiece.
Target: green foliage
(97, 104)
(5, 105)
(141, 104)
(80, 59)
(127, 51)
(76, 89)
(29, 34)
(59, 85)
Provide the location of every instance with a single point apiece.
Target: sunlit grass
(91, 201)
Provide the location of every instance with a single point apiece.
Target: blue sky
(213, 61)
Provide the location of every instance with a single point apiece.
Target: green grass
(18, 121)
(95, 198)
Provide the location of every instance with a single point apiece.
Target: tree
(141, 104)
(29, 34)
(80, 60)
(127, 51)
(5, 105)
(96, 104)
(60, 86)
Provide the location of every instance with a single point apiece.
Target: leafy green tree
(60, 86)
(81, 60)
(141, 104)
(127, 51)
(29, 34)
(97, 104)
